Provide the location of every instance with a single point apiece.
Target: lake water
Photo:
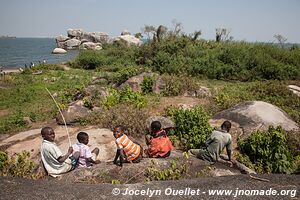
(20, 51)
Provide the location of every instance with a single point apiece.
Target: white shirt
(84, 153)
(50, 153)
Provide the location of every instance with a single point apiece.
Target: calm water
(20, 51)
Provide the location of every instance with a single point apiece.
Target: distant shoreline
(7, 37)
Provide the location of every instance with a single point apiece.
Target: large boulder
(96, 37)
(91, 46)
(61, 38)
(59, 51)
(202, 91)
(75, 33)
(73, 114)
(125, 32)
(295, 89)
(129, 39)
(73, 43)
(166, 123)
(106, 172)
(256, 115)
(96, 91)
(135, 82)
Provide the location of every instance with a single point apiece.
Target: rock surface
(17, 188)
(59, 51)
(129, 39)
(257, 115)
(73, 113)
(295, 89)
(166, 123)
(91, 46)
(73, 43)
(201, 92)
(135, 82)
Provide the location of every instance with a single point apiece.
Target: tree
(161, 30)
(157, 33)
(177, 28)
(196, 35)
(149, 29)
(222, 34)
(281, 39)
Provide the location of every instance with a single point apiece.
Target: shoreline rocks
(59, 51)
(79, 39)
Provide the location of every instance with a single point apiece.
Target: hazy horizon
(251, 21)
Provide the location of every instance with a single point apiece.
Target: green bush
(147, 84)
(89, 59)
(16, 166)
(177, 85)
(175, 171)
(125, 95)
(191, 126)
(125, 114)
(177, 55)
(268, 150)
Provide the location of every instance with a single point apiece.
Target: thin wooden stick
(259, 179)
(61, 116)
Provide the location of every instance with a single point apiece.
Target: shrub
(175, 85)
(126, 114)
(16, 166)
(147, 84)
(268, 150)
(175, 171)
(89, 59)
(191, 126)
(125, 95)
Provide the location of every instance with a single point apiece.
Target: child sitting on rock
(159, 145)
(127, 151)
(53, 160)
(86, 157)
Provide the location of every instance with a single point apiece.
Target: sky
(249, 20)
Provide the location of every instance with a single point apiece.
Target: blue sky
(250, 20)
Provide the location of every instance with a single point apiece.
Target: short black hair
(226, 125)
(155, 126)
(81, 136)
(46, 130)
(123, 128)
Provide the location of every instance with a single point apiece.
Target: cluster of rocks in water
(79, 39)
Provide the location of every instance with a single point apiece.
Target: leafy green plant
(175, 171)
(268, 150)
(115, 182)
(87, 103)
(205, 172)
(125, 95)
(126, 114)
(191, 125)
(147, 84)
(16, 166)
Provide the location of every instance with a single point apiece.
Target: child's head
(83, 138)
(226, 126)
(119, 131)
(155, 126)
(48, 134)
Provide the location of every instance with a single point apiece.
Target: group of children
(80, 155)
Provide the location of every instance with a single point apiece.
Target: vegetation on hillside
(269, 152)
(233, 71)
(179, 54)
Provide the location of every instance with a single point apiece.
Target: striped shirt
(131, 149)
